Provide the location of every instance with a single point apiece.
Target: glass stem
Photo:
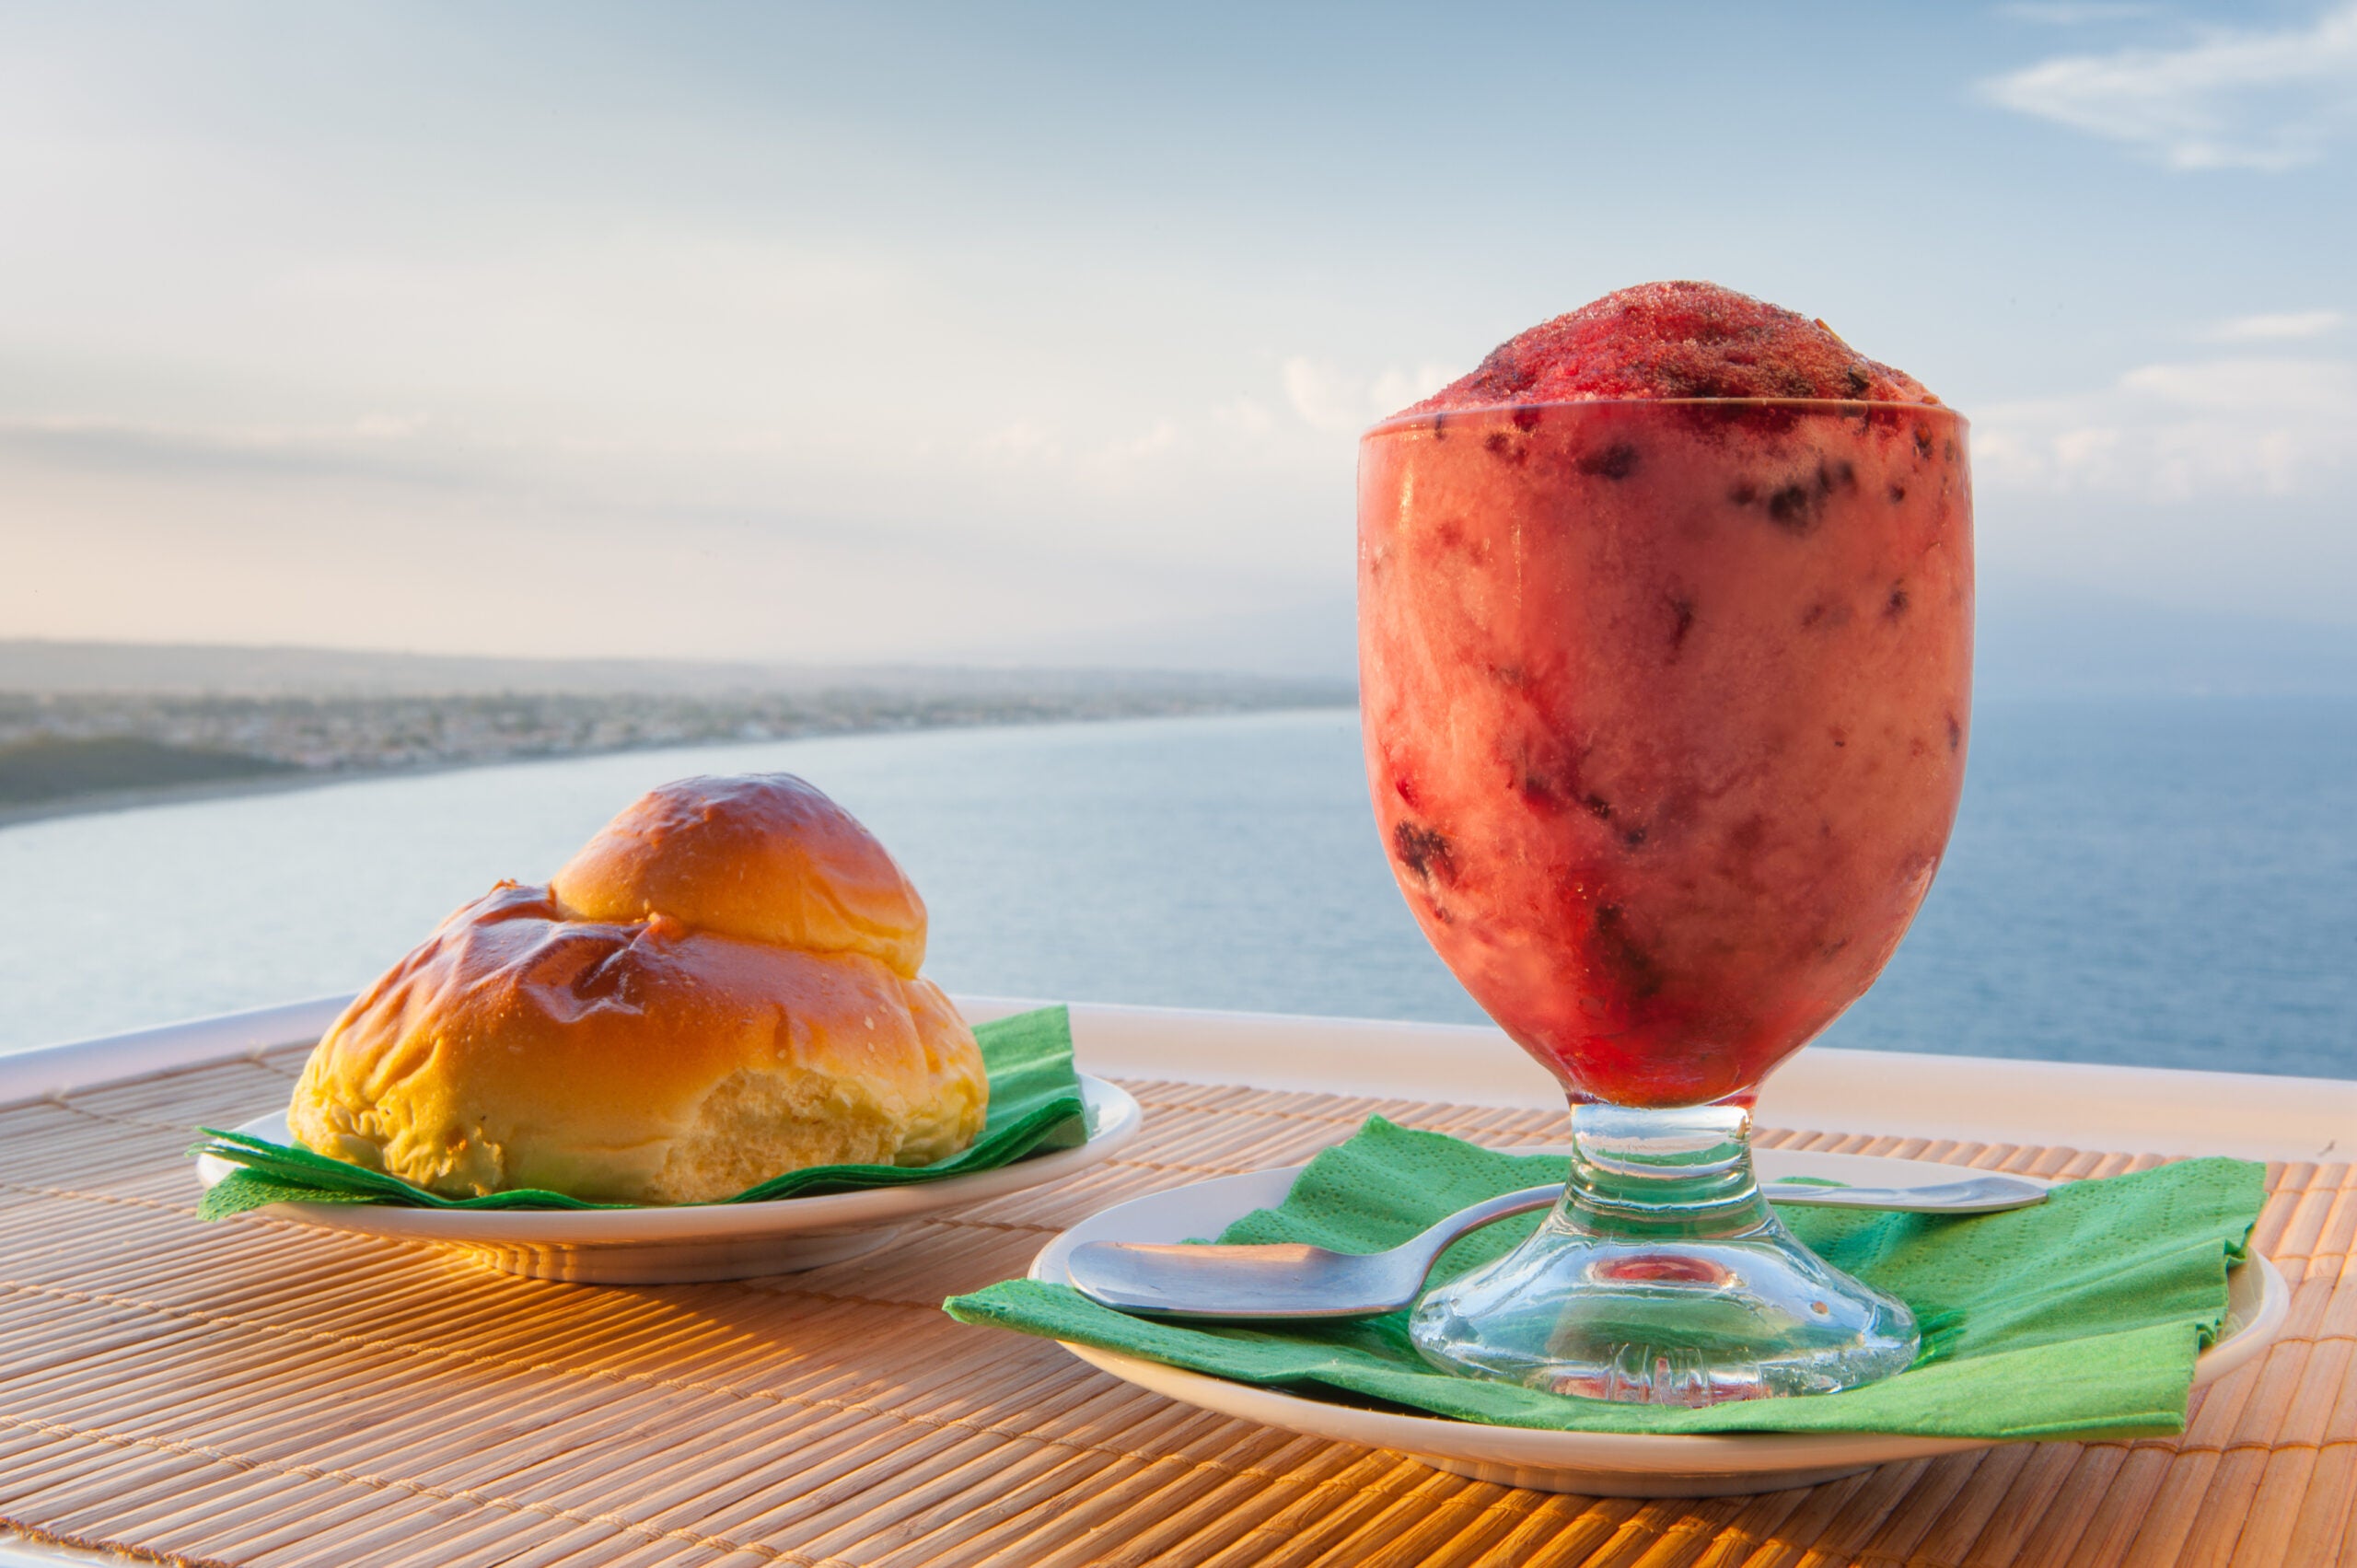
(1656, 1175)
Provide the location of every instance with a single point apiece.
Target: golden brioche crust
(764, 856)
(661, 1057)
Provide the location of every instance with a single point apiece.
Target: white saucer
(1595, 1464)
(702, 1241)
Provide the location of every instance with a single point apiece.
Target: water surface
(2171, 883)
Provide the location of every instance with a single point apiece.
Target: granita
(1664, 655)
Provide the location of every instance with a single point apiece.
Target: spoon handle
(1488, 1211)
(1983, 1194)
(1979, 1194)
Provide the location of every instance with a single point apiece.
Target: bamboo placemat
(256, 1392)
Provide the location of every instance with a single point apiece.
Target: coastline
(223, 789)
(140, 798)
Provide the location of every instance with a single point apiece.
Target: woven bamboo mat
(255, 1392)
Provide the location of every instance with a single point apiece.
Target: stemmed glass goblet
(1664, 707)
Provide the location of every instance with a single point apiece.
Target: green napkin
(2077, 1317)
(1035, 1104)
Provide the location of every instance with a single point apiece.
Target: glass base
(1664, 1278)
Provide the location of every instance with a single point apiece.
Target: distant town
(75, 730)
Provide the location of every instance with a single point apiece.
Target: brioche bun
(721, 987)
(764, 856)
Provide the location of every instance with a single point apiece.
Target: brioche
(721, 987)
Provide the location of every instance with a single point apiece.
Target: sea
(2165, 882)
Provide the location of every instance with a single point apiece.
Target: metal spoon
(1291, 1280)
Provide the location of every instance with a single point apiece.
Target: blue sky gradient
(951, 332)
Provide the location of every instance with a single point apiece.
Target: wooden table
(260, 1393)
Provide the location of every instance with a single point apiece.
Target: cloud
(1165, 436)
(1247, 417)
(1282, 436)
(1328, 397)
(375, 447)
(2240, 100)
(1034, 451)
(2218, 430)
(1022, 442)
(2289, 326)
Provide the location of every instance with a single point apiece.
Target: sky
(1022, 332)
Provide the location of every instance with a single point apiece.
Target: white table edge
(1969, 1098)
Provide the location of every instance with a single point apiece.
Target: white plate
(1595, 1464)
(699, 1241)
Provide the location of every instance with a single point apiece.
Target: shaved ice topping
(1676, 340)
